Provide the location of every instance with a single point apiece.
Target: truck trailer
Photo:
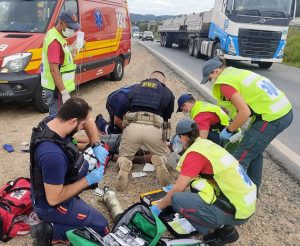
(242, 30)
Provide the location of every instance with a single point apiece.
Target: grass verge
(292, 49)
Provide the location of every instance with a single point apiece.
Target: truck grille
(258, 43)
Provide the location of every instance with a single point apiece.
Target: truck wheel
(118, 72)
(163, 41)
(40, 101)
(265, 65)
(216, 51)
(169, 41)
(191, 47)
(196, 51)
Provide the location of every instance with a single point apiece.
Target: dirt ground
(277, 220)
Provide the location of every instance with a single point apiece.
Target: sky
(169, 7)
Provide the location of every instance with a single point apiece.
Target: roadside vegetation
(292, 50)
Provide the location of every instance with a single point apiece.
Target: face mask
(68, 32)
(177, 146)
(212, 81)
(187, 114)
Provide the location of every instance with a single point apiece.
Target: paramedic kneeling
(58, 173)
(222, 195)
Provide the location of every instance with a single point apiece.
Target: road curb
(283, 155)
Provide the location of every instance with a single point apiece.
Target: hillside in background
(139, 17)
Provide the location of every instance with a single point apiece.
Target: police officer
(249, 96)
(152, 103)
(211, 119)
(222, 195)
(58, 68)
(58, 174)
(117, 106)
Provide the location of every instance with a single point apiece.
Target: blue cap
(185, 126)
(182, 99)
(70, 18)
(209, 67)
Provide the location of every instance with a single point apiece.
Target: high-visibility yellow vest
(67, 69)
(229, 178)
(262, 96)
(200, 107)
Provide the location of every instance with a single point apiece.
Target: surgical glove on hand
(225, 135)
(64, 96)
(100, 153)
(167, 188)
(155, 210)
(95, 176)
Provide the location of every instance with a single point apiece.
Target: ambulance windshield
(25, 16)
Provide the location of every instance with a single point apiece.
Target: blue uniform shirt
(53, 163)
(119, 103)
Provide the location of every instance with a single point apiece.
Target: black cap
(209, 67)
(70, 18)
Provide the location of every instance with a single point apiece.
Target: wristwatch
(96, 144)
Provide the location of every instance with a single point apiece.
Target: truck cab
(251, 30)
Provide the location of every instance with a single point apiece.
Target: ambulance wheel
(40, 101)
(118, 72)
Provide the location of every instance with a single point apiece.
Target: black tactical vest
(148, 95)
(75, 159)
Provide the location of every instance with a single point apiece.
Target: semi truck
(242, 30)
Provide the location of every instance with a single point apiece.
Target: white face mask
(187, 114)
(68, 32)
(177, 145)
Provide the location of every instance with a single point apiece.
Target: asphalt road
(284, 77)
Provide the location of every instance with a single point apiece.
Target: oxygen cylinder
(112, 203)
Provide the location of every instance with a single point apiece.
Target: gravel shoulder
(277, 220)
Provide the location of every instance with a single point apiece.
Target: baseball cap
(209, 67)
(70, 18)
(182, 99)
(184, 126)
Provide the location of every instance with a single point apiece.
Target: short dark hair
(74, 108)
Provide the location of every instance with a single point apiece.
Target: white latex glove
(64, 95)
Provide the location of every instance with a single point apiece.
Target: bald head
(159, 76)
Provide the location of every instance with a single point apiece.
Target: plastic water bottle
(80, 40)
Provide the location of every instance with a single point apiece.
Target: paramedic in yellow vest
(211, 119)
(58, 68)
(249, 96)
(222, 195)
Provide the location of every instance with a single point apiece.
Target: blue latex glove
(155, 210)
(100, 153)
(225, 135)
(95, 176)
(168, 188)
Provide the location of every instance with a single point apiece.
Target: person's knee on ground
(125, 166)
(162, 172)
(41, 234)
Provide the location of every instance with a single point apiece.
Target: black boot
(221, 236)
(41, 234)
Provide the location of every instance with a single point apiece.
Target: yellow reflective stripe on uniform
(251, 78)
(68, 76)
(251, 197)
(283, 102)
(228, 160)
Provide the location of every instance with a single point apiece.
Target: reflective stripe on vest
(229, 176)
(201, 107)
(67, 69)
(262, 96)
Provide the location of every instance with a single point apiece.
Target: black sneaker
(41, 234)
(221, 236)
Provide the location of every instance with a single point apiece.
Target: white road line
(280, 147)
